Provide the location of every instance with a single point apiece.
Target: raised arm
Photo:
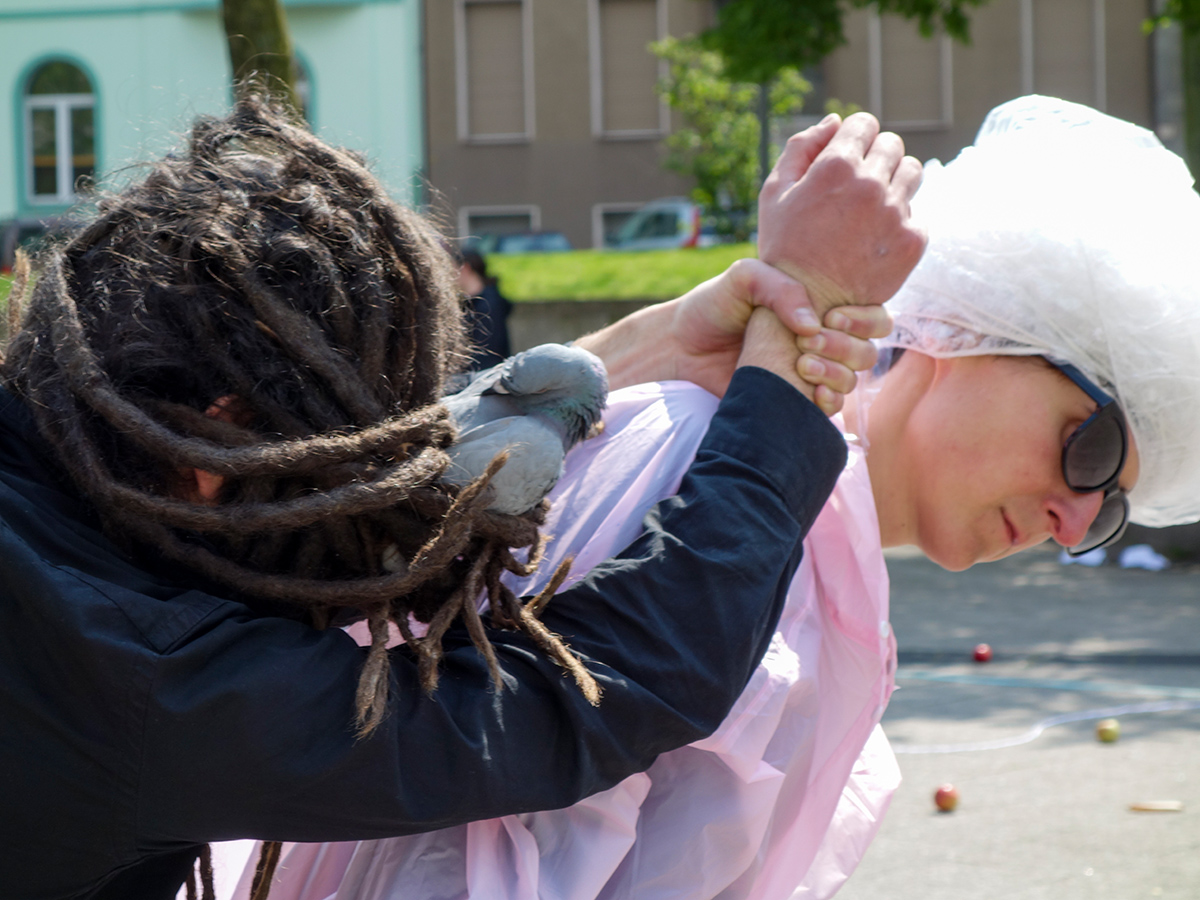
(834, 213)
(698, 337)
(834, 216)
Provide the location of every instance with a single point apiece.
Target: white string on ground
(1036, 731)
(1053, 684)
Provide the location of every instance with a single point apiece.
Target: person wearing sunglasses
(1093, 460)
(1038, 385)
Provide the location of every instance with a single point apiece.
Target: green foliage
(5, 285)
(840, 108)
(1184, 12)
(718, 143)
(758, 38)
(609, 274)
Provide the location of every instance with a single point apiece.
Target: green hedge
(610, 274)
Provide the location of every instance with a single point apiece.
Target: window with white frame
(607, 219)
(911, 76)
(494, 66)
(488, 222)
(60, 132)
(623, 70)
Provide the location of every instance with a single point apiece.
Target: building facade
(542, 114)
(936, 92)
(89, 88)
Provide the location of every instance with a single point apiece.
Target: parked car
(669, 223)
(662, 224)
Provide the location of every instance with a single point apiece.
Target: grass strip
(611, 274)
(596, 274)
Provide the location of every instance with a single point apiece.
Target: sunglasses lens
(1108, 525)
(1094, 454)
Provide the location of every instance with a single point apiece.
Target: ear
(205, 487)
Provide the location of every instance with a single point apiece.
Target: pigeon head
(567, 385)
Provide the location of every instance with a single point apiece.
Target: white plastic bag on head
(1066, 233)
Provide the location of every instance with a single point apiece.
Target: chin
(952, 559)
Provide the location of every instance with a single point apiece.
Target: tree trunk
(764, 132)
(260, 48)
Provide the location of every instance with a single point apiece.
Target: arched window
(60, 132)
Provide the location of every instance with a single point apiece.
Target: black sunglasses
(1092, 460)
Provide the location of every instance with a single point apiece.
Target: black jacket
(141, 715)
(488, 320)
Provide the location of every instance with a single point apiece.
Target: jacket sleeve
(248, 728)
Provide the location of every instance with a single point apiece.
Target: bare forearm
(638, 348)
(699, 337)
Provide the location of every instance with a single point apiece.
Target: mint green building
(92, 87)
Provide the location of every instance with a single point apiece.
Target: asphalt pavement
(1045, 808)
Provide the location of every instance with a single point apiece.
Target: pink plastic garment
(782, 801)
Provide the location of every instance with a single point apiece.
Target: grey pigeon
(536, 405)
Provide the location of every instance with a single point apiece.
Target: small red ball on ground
(983, 653)
(946, 798)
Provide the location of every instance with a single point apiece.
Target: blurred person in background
(487, 317)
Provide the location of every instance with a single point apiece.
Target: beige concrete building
(541, 114)
(935, 92)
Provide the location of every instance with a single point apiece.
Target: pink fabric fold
(781, 801)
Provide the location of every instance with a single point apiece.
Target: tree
(759, 38)
(1186, 14)
(716, 145)
(260, 47)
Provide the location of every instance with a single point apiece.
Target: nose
(1071, 515)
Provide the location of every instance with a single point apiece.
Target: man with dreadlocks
(220, 414)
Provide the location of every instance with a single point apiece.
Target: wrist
(823, 292)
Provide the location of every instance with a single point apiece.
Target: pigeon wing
(534, 464)
(471, 408)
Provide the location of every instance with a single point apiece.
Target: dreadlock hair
(263, 265)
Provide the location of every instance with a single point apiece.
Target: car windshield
(651, 224)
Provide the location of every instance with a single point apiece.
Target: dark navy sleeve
(247, 733)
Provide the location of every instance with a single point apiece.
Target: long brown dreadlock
(264, 265)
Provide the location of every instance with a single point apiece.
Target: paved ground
(1047, 819)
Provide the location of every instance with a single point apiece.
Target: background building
(542, 113)
(89, 87)
(935, 93)
(520, 114)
